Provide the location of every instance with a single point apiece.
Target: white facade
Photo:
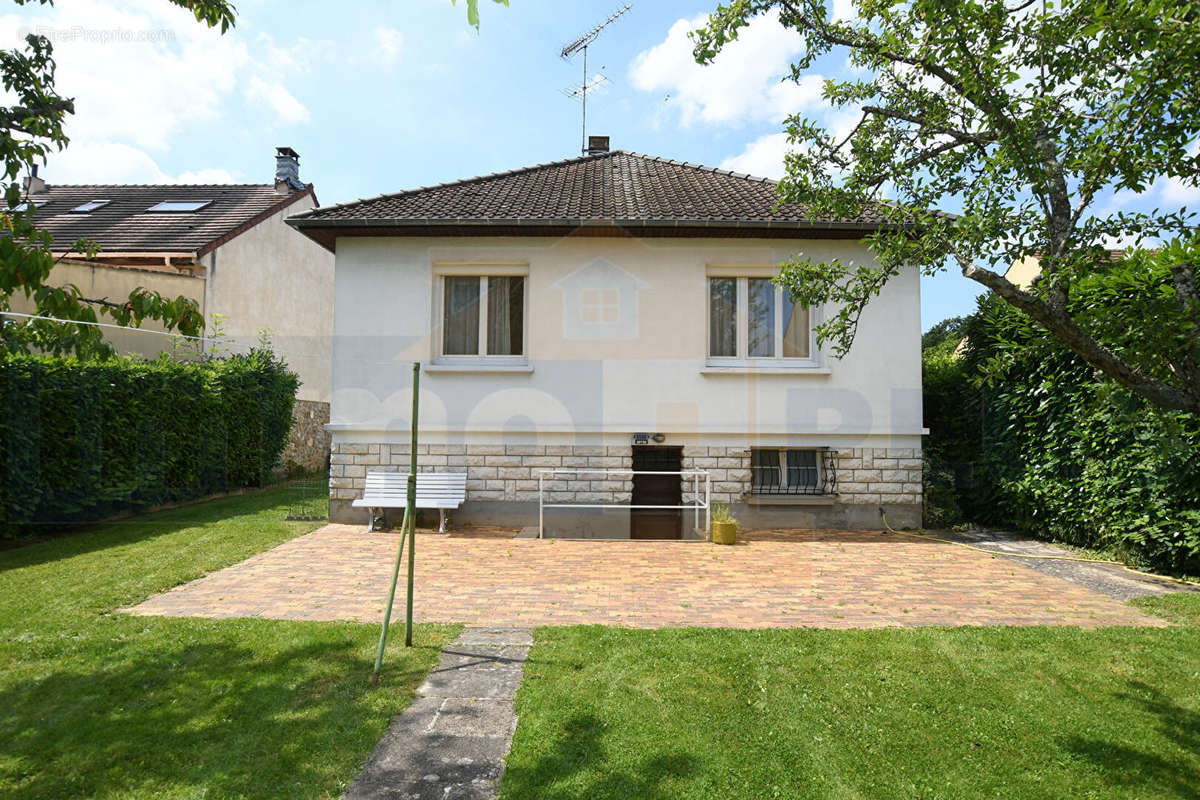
(616, 342)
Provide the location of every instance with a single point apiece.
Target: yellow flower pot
(724, 532)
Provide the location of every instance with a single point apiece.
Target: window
(178, 206)
(787, 471)
(751, 319)
(483, 316)
(90, 205)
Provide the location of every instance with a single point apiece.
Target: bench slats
(434, 490)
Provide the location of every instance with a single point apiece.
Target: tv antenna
(581, 91)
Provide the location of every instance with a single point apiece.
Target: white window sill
(790, 499)
(479, 367)
(754, 369)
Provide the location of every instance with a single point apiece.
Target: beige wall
(115, 283)
(1024, 271)
(650, 376)
(273, 277)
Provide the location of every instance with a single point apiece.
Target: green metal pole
(407, 529)
(410, 515)
(387, 614)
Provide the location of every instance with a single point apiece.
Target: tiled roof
(616, 187)
(124, 225)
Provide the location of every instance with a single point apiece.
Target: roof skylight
(90, 205)
(178, 206)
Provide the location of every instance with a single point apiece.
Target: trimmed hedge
(1024, 434)
(82, 440)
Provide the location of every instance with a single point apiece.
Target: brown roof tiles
(616, 188)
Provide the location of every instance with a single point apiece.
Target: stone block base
(503, 482)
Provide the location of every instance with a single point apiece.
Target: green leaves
(81, 440)
(31, 128)
(1049, 446)
(473, 11)
(1016, 116)
(213, 13)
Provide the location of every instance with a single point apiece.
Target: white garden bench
(440, 490)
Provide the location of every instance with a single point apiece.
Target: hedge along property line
(1027, 435)
(84, 440)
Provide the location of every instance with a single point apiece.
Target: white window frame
(742, 318)
(439, 302)
(95, 205)
(781, 455)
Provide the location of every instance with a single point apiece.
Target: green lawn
(100, 704)
(923, 713)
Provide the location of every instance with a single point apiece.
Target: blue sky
(379, 97)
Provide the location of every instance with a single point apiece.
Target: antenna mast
(581, 91)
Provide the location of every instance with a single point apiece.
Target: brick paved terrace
(829, 579)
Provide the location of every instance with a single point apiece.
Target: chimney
(34, 184)
(597, 144)
(287, 171)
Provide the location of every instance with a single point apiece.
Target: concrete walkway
(450, 744)
(1110, 579)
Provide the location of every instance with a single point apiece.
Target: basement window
(789, 471)
(178, 206)
(90, 205)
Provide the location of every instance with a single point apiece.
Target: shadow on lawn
(581, 768)
(1151, 773)
(84, 538)
(185, 712)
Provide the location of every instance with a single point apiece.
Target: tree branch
(917, 119)
(1079, 342)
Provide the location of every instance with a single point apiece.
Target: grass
(917, 713)
(100, 704)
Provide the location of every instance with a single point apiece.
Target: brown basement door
(657, 490)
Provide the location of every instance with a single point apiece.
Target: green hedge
(82, 440)
(1024, 434)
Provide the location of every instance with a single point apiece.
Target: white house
(616, 311)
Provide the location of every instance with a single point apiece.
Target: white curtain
(506, 316)
(795, 330)
(460, 316)
(722, 317)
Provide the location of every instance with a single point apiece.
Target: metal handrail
(695, 474)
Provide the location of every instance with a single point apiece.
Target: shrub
(81, 440)
(1060, 451)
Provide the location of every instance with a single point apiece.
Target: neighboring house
(1025, 271)
(227, 247)
(616, 311)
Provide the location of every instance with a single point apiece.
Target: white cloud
(762, 158)
(116, 162)
(278, 99)
(205, 176)
(1180, 191)
(1177, 192)
(844, 11)
(143, 71)
(388, 43)
(742, 84)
